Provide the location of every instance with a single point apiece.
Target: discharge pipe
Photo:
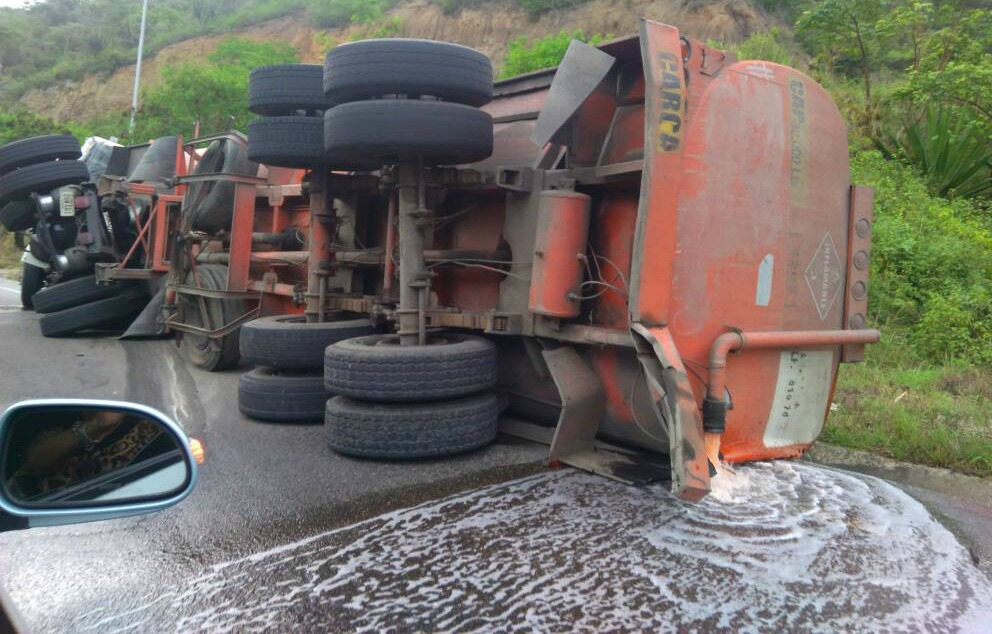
(714, 405)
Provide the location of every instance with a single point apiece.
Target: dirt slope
(488, 27)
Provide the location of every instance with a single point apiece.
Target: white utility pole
(137, 71)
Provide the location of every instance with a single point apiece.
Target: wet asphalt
(262, 484)
(277, 519)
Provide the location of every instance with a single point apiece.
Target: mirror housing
(44, 428)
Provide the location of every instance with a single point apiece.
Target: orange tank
(559, 250)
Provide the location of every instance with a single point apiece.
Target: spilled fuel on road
(776, 546)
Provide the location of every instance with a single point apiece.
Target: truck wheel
(32, 279)
(211, 203)
(17, 215)
(410, 430)
(289, 341)
(41, 177)
(393, 130)
(286, 88)
(281, 395)
(102, 312)
(76, 292)
(377, 368)
(210, 354)
(373, 68)
(296, 142)
(39, 149)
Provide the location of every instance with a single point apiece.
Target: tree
(955, 64)
(844, 31)
(214, 94)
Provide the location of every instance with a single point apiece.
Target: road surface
(281, 532)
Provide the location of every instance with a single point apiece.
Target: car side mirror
(65, 461)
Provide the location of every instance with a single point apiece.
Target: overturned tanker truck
(650, 258)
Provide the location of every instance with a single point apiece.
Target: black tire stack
(405, 402)
(81, 304)
(396, 101)
(35, 165)
(289, 98)
(375, 102)
(288, 384)
(402, 100)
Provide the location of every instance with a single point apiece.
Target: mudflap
(675, 408)
(149, 323)
(583, 405)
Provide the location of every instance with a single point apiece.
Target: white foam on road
(777, 547)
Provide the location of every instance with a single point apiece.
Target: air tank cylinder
(559, 246)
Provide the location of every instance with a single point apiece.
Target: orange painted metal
(858, 261)
(655, 238)
(801, 339)
(559, 252)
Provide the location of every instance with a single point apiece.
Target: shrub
(524, 56)
(951, 151)
(931, 268)
(767, 46)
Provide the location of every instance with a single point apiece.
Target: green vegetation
(65, 39)
(906, 409)
(14, 126)
(215, 93)
(953, 154)
(56, 40)
(524, 56)
(767, 46)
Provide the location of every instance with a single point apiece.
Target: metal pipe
(322, 295)
(422, 316)
(411, 243)
(323, 226)
(714, 407)
(387, 281)
(359, 257)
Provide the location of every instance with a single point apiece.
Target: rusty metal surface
(559, 252)
(675, 409)
(580, 72)
(582, 399)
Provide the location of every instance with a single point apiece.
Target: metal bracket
(583, 407)
(675, 406)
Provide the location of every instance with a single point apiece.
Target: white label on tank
(765, 272)
(801, 397)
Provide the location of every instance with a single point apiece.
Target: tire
(284, 89)
(376, 368)
(32, 279)
(39, 149)
(103, 312)
(393, 130)
(18, 215)
(269, 394)
(211, 203)
(373, 68)
(296, 142)
(410, 430)
(288, 341)
(198, 349)
(75, 292)
(42, 177)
